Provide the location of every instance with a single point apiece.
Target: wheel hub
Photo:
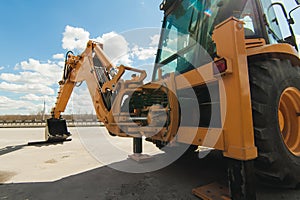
(289, 119)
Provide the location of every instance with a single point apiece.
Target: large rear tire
(275, 98)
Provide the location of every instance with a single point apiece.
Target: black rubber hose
(66, 71)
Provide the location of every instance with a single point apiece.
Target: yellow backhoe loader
(224, 78)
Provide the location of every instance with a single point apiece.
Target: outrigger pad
(57, 127)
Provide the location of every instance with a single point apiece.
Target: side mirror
(297, 2)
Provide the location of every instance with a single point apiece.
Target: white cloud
(143, 53)
(34, 77)
(36, 80)
(34, 71)
(61, 63)
(38, 88)
(116, 47)
(155, 40)
(1, 68)
(26, 77)
(11, 106)
(75, 38)
(48, 69)
(10, 77)
(33, 97)
(58, 56)
(80, 101)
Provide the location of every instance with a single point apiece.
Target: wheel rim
(289, 119)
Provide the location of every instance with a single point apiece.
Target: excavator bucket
(56, 130)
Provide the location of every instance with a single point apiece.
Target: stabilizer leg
(137, 145)
(241, 179)
(137, 151)
(241, 183)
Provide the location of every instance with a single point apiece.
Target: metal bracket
(213, 191)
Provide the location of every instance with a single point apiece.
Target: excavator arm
(102, 78)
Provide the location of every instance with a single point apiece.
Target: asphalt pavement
(95, 165)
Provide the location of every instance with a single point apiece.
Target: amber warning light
(220, 66)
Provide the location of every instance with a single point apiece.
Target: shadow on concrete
(10, 149)
(175, 181)
(48, 143)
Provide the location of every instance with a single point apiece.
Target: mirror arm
(289, 20)
(290, 14)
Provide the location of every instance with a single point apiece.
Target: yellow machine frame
(235, 138)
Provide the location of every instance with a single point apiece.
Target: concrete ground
(87, 168)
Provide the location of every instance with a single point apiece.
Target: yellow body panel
(236, 138)
(273, 48)
(235, 99)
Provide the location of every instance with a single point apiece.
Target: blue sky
(35, 35)
(33, 28)
(31, 38)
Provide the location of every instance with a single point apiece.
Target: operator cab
(186, 39)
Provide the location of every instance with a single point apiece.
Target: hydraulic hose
(66, 70)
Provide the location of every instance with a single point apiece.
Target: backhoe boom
(101, 76)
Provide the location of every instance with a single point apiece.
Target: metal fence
(42, 123)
